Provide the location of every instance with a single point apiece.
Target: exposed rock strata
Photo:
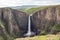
(46, 18)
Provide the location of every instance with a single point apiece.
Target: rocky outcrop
(46, 18)
(15, 21)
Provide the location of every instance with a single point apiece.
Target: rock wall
(46, 18)
(15, 21)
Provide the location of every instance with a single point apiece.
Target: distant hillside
(31, 10)
(24, 7)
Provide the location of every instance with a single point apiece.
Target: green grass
(42, 37)
(56, 38)
(46, 38)
(32, 10)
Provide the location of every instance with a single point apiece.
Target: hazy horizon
(10, 3)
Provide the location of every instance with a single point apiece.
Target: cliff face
(46, 18)
(15, 21)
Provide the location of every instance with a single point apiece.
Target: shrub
(56, 27)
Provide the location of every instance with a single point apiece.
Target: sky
(9, 3)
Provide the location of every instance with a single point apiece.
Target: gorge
(18, 23)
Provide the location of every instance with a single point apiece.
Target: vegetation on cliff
(4, 35)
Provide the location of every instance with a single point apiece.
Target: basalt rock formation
(15, 21)
(45, 19)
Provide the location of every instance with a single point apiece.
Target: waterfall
(29, 32)
(29, 26)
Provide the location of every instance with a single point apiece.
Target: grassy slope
(32, 10)
(46, 37)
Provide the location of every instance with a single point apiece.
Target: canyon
(16, 22)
